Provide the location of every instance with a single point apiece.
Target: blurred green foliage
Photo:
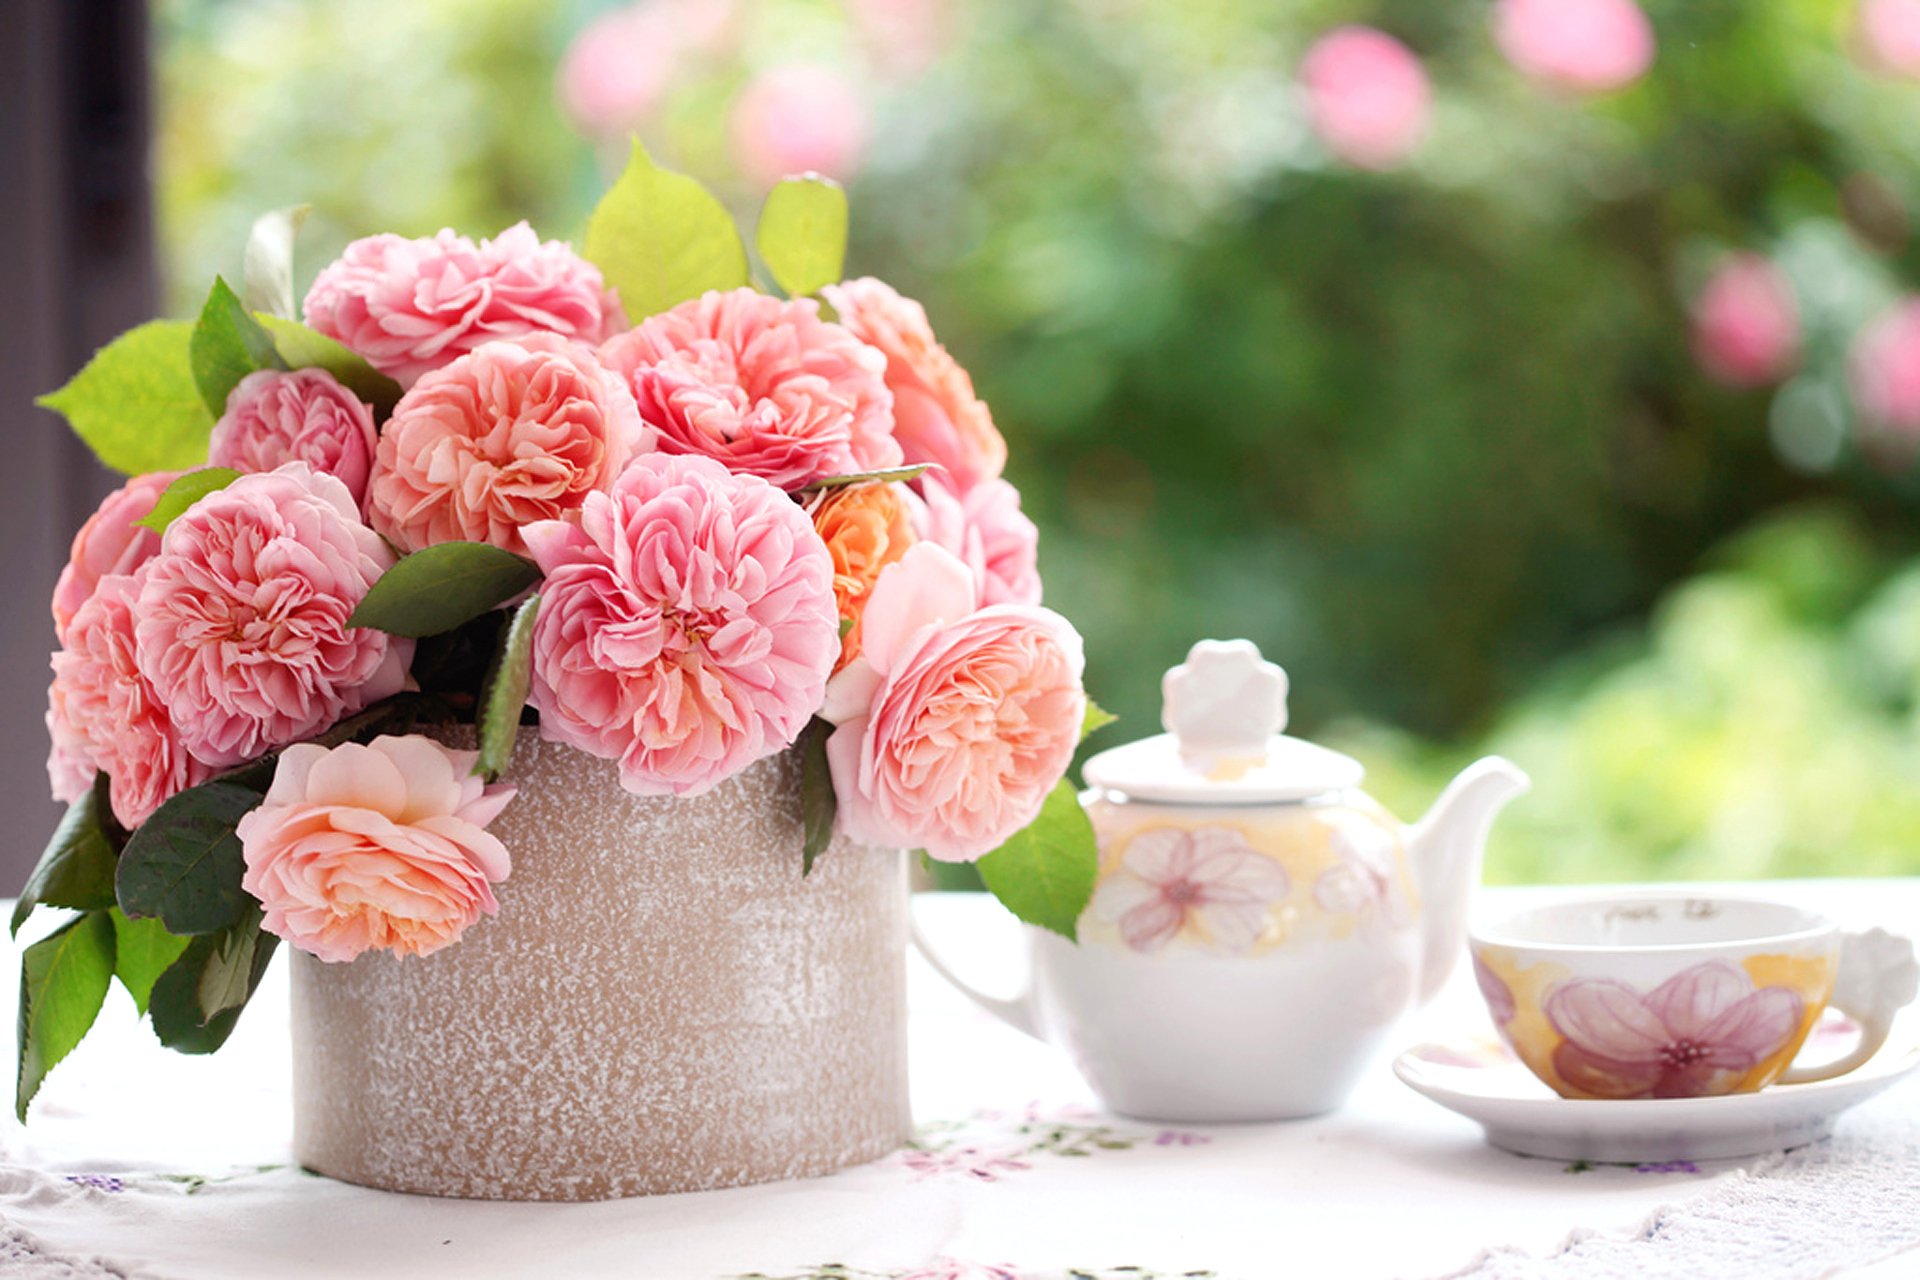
(1434, 438)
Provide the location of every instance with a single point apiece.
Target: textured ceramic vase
(662, 1004)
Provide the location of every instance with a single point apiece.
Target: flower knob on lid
(1224, 700)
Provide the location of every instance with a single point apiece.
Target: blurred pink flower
(987, 531)
(955, 721)
(936, 416)
(765, 386)
(1746, 325)
(1580, 46)
(1888, 35)
(242, 625)
(687, 624)
(304, 415)
(1209, 880)
(798, 118)
(1693, 1035)
(620, 67)
(1884, 370)
(102, 709)
(903, 37)
(510, 433)
(410, 306)
(1367, 96)
(109, 542)
(381, 846)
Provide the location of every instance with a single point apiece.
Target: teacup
(1682, 994)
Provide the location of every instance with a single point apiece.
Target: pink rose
(1888, 36)
(765, 386)
(798, 119)
(101, 709)
(954, 723)
(243, 615)
(1579, 46)
(987, 531)
(508, 434)
(936, 416)
(686, 627)
(1884, 370)
(299, 416)
(1746, 327)
(382, 846)
(410, 306)
(109, 542)
(1367, 96)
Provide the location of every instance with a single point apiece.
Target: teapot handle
(1016, 1013)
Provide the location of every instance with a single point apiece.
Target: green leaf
(222, 970)
(818, 804)
(802, 235)
(505, 692)
(1096, 719)
(142, 950)
(184, 863)
(267, 278)
(865, 477)
(304, 348)
(1045, 873)
(443, 586)
(136, 404)
(77, 868)
(227, 345)
(183, 493)
(660, 238)
(63, 982)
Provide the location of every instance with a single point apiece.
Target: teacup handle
(1877, 978)
(1016, 1013)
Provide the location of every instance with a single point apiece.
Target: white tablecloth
(143, 1163)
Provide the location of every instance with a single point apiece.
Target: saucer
(1483, 1081)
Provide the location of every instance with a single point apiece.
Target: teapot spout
(1444, 850)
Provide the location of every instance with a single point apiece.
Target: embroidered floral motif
(992, 1144)
(1206, 885)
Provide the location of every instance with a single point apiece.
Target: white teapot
(1259, 924)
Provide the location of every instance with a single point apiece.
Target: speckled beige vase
(662, 1004)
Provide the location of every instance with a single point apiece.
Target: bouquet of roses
(678, 522)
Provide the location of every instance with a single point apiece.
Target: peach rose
(866, 528)
(382, 846)
(954, 722)
(410, 306)
(512, 433)
(303, 415)
(764, 386)
(109, 542)
(242, 625)
(986, 529)
(103, 711)
(686, 627)
(936, 416)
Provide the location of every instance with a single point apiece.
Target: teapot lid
(1223, 709)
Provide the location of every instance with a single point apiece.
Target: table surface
(161, 1165)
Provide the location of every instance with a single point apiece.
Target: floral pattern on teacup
(1207, 886)
(1495, 991)
(1694, 1035)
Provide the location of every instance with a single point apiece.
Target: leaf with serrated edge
(1044, 874)
(866, 477)
(63, 982)
(227, 345)
(802, 233)
(443, 587)
(267, 277)
(1096, 719)
(183, 493)
(142, 950)
(76, 870)
(660, 238)
(184, 863)
(304, 348)
(505, 692)
(136, 404)
(818, 804)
